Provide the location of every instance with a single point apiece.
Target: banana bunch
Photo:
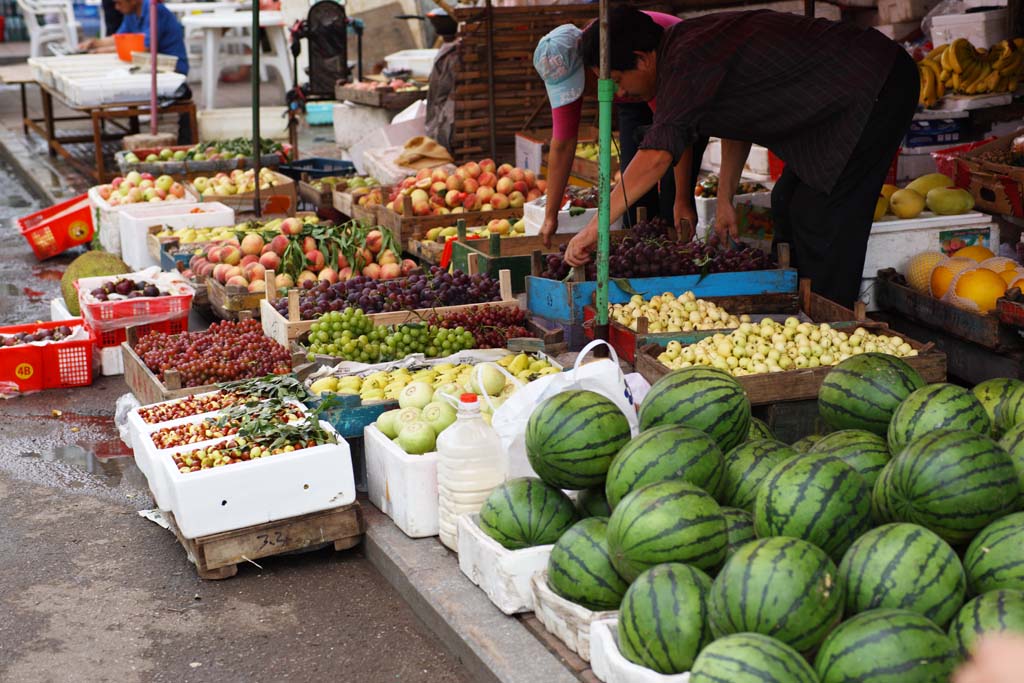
(961, 68)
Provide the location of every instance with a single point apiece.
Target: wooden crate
(367, 215)
(285, 330)
(382, 97)
(583, 169)
(280, 199)
(321, 199)
(229, 302)
(406, 226)
(514, 254)
(892, 295)
(1011, 313)
(427, 251)
(217, 556)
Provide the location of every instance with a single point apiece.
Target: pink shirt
(565, 120)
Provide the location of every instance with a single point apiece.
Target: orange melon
(999, 264)
(1011, 276)
(975, 252)
(919, 269)
(976, 289)
(943, 274)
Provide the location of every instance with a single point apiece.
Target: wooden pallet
(218, 556)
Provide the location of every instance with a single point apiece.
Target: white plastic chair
(64, 30)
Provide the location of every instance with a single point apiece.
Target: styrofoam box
(897, 11)
(106, 218)
(402, 486)
(707, 207)
(135, 220)
(503, 574)
(111, 359)
(259, 491)
(354, 122)
(137, 426)
(894, 241)
(983, 29)
(564, 619)
(419, 62)
(224, 124)
(610, 666)
(533, 219)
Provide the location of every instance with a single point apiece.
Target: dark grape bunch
(351, 335)
(53, 335)
(490, 326)
(430, 290)
(648, 251)
(128, 288)
(226, 351)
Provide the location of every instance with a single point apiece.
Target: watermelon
(665, 452)
(807, 443)
(580, 569)
(572, 437)
(886, 646)
(936, 406)
(817, 498)
(739, 529)
(993, 612)
(903, 566)
(746, 466)
(663, 618)
(1013, 443)
(671, 521)
(1010, 411)
(750, 658)
(996, 397)
(863, 391)
(759, 429)
(952, 482)
(862, 450)
(525, 512)
(780, 587)
(995, 558)
(702, 398)
(592, 503)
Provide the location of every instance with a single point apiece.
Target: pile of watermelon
(878, 552)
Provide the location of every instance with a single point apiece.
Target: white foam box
(402, 486)
(503, 574)
(106, 218)
(137, 426)
(233, 122)
(983, 29)
(707, 207)
(900, 11)
(894, 241)
(419, 62)
(564, 619)
(533, 218)
(135, 220)
(111, 359)
(610, 666)
(260, 491)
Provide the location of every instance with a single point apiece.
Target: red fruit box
(58, 228)
(55, 365)
(109, 320)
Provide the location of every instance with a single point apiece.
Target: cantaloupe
(999, 264)
(976, 252)
(943, 274)
(976, 289)
(1011, 276)
(920, 267)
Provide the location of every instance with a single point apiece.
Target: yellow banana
(932, 66)
(992, 81)
(954, 82)
(929, 96)
(936, 53)
(946, 59)
(1011, 85)
(940, 88)
(955, 53)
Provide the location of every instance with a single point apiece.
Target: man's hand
(997, 658)
(725, 223)
(86, 45)
(685, 219)
(578, 251)
(548, 228)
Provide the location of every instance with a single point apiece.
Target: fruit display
(126, 288)
(961, 68)
(770, 346)
(669, 313)
(993, 612)
(136, 187)
(236, 148)
(708, 187)
(648, 251)
(592, 150)
(491, 327)
(191, 239)
(474, 186)
(437, 288)
(261, 439)
(224, 352)
(497, 226)
(229, 394)
(352, 183)
(42, 336)
(972, 278)
(89, 264)
(229, 423)
(934, 192)
(580, 567)
(549, 513)
(236, 182)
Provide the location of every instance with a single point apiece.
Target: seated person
(170, 33)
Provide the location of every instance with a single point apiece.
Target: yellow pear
(906, 203)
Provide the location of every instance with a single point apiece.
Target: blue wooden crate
(564, 301)
(169, 262)
(349, 415)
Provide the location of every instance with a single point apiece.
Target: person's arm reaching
(98, 45)
(734, 156)
(683, 205)
(563, 152)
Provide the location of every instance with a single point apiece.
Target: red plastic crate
(57, 365)
(108, 321)
(58, 228)
(777, 165)
(108, 338)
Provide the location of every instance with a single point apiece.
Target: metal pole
(808, 8)
(490, 79)
(256, 104)
(153, 123)
(605, 94)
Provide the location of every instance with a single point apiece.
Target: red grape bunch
(490, 326)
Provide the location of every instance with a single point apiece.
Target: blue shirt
(170, 36)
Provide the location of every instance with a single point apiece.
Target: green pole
(605, 94)
(255, 104)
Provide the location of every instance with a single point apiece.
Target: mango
(906, 203)
(947, 201)
(927, 183)
(881, 207)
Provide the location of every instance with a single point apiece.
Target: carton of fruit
(44, 355)
(402, 486)
(108, 200)
(135, 223)
(147, 296)
(278, 195)
(572, 217)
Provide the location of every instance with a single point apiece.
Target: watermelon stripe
(750, 658)
(580, 566)
(859, 646)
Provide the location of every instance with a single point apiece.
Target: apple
(390, 271)
(488, 178)
(290, 226)
(164, 182)
(252, 244)
(372, 271)
(484, 194)
(104, 191)
(470, 185)
(504, 170)
(487, 166)
(314, 260)
(455, 182)
(472, 169)
(177, 190)
(374, 241)
(279, 243)
(134, 195)
(505, 185)
(146, 176)
(237, 280)
(409, 266)
(284, 280)
(516, 199)
(270, 261)
(257, 286)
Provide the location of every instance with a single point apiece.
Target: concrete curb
(492, 646)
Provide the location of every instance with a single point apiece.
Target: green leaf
(624, 284)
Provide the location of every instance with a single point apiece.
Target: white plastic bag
(602, 376)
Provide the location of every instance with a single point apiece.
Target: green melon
(572, 437)
(663, 618)
(1010, 411)
(995, 558)
(759, 429)
(751, 658)
(936, 406)
(665, 452)
(739, 529)
(592, 503)
(702, 398)
(862, 391)
(807, 443)
(903, 566)
(997, 396)
(746, 466)
(580, 569)
(993, 612)
(1013, 443)
(862, 450)
(671, 521)
(526, 512)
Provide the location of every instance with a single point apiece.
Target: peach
(404, 185)
(284, 280)
(520, 186)
(499, 201)
(266, 249)
(237, 281)
(213, 254)
(530, 177)
(387, 256)
(504, 170)
(345, 274)
(328, 275)
(374, 241)
(252, 244)
(249, 258)
(270, 261)
(455, 182)
(423, 173)
(421, 208)
(308, 244)
(471, 202)
(517, 174)
(439, 188)
(542, 185)
(471, 185)
(423, 184)
(257, 286)
(291, 226)
(504, 185)
(342, 261)
(419, 196)
(305, 275)
(516, 200)
(233, 271)
(279, 244)
(409, 266)
(487, 166)
(485, 193)
(206, 270)
(489, 179)
(534, 195)
(254, 271)
(390, 271)
(439, 175)
(231, 255)
(472, 169)
(314, 260)
(372, 271)
(453, 198)
(437, 200)
(218, 271)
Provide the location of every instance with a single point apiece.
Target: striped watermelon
(936, 406)
(592, 503)
(663, 618)
(671, 521)
(572, 437)
(993, 612)
(817, 498)
(863, 391)
(952, 482)
(665, 452)
(995, 558)
(739, 529)
(751, 658)
(780, 587)
(903, 566)
(525, 512)
(703, 398)
(746, 466)
(997, 396)
(1010, 411)
(1013, 443)
(759, 430)
(807, 443)
(862, 450)
(580, 569)
(886, 646)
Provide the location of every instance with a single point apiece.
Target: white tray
(563, 618)
(135, 220)
(402, 486)
(610, 666)
(533, 218)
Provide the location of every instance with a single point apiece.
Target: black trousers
(828, 232)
